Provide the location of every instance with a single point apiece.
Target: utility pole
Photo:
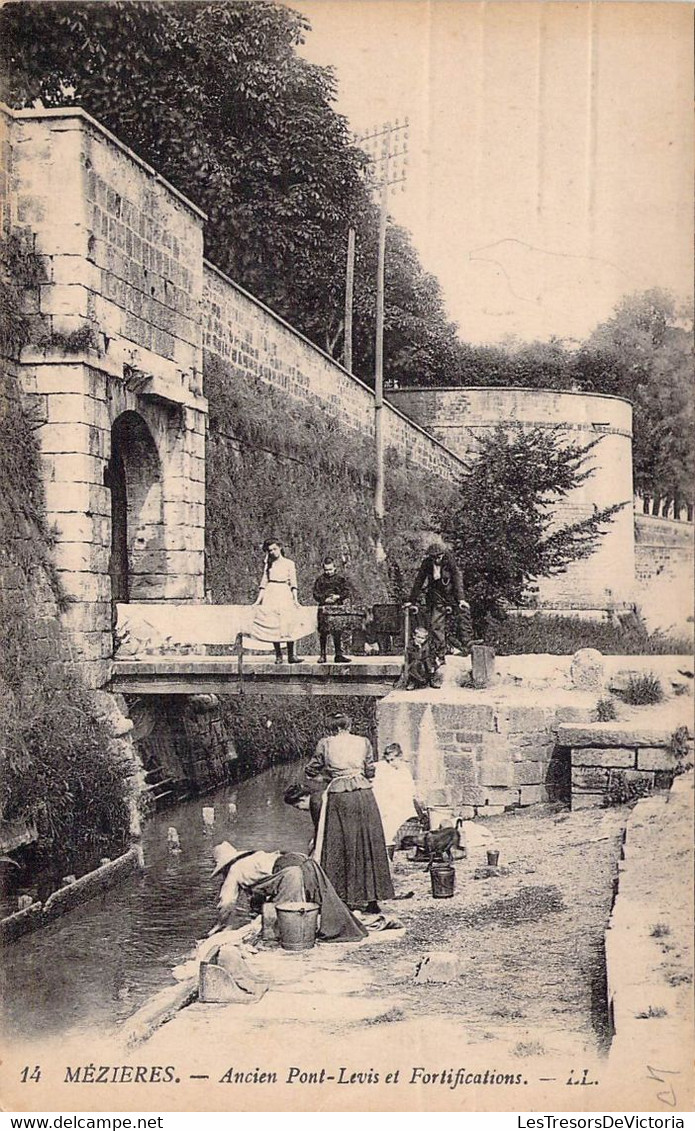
(349, 286)
(387, 148)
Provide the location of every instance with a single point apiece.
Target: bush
(266, 731)
(622, 791)
(563, 636)
(289, 471)
(605, 711)
(58, 767)
(642, 690)
(503, 521)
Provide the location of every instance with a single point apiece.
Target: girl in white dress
(394, 790)
(277, 607)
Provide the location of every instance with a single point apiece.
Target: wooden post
(379, 369)
(349, 287)
(240, 660)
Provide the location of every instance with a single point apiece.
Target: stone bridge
(114, 382)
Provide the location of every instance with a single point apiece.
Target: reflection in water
(97, 964)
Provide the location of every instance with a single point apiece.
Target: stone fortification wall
(664, 572)
(457, 416)
(254, 341)
(663, 546)
(115, 358)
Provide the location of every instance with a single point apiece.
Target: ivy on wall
(57, 766)
(297, 473)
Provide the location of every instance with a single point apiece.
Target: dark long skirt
(354, 851)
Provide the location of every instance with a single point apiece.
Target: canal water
(98, 964)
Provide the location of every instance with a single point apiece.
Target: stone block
(86, 586)
(77, 467)
(494, 748)
(64, 238)
(76, 527)
(72, 378)
(87, 616)
(73, 270)
(655, 758)
(572, 715)
(65, 299)
(469, 737)
(587, 669)
(489, 810)
(80, 498)
(495, 773)
(81, 556)
(529, 773)
(532, 795)
(616, 757)
(589, 778)
(501, 796)
(88, 645)
(515, 719)
(184, 588)
(612, 734)
(639, 777)
(75, 408)
(531, 753)
(182, 562)
(464, 716)
(64, 437)
(586, 800)
(533, 737)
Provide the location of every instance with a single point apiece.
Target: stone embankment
(649, 943)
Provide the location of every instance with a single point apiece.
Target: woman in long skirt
(277, 614)
(350, 843)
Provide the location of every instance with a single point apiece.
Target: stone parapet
(618, 761)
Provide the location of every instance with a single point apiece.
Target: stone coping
(654, 728)
(54, 113)
(504, 389)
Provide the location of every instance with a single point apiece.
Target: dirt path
(528, 942)
(529, 939)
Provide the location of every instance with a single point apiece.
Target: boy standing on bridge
(331, 590)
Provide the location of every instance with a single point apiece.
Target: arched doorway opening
(138, 558)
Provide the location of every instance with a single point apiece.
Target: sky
(550, 148)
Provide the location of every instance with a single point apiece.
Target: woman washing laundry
(277, 615)
(281, 877)
(350, 843)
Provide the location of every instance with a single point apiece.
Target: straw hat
(224, 853)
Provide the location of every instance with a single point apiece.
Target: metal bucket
(297, 923)
(443, 877)
(440, 813)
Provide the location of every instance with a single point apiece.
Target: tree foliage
(645, 353)
(502, 525)
(216, 97)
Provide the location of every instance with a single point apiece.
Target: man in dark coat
(331, 589)
(440, 577)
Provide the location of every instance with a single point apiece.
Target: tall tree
(502, 524)
(216, 97)
(644, 352)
